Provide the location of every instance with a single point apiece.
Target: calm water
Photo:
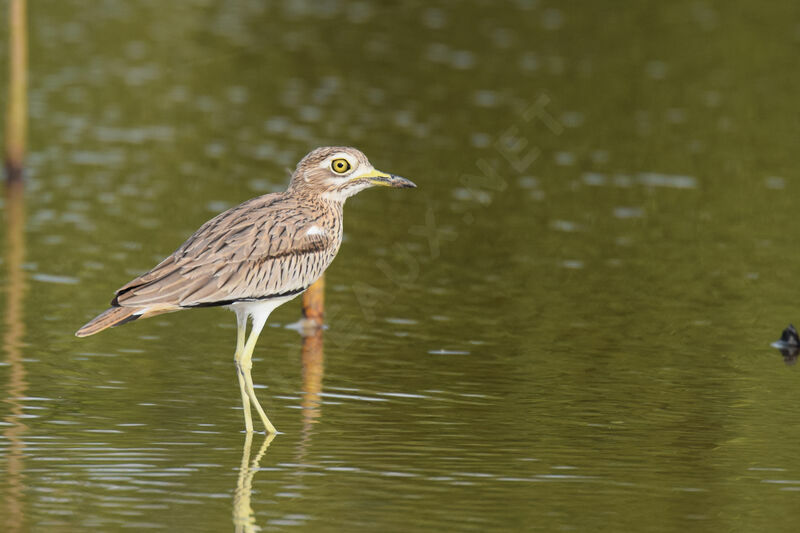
(566, 327)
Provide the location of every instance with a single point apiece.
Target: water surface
(566, 327)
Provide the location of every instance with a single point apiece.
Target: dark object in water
(789, 345)
(789, 337)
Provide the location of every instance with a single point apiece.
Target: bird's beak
(376, 177)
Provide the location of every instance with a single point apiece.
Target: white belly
(259, 309)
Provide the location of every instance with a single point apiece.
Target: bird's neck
(324, 202)
(318, 203)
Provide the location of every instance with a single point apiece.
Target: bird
(254, 257)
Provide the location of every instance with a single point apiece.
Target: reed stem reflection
(12, 346)
(313, 360)
(313, 371)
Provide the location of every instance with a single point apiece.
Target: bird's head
(338, 172)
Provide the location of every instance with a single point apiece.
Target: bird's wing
(260, 249)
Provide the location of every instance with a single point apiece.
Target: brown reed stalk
(17, 110)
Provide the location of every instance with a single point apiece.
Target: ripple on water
(648, 179)
(52, 278)
(567, 226)
(443, 351)
(552, 19)
(572, 264)
(628, 212)
(674, 181)
(572, 119)
(106, 158)
(402, 321)
(564, 158)
(485, 98)
(775, 183)
(434, 18)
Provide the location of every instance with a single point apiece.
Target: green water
(566, 327)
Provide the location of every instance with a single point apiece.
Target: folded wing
(263, 248)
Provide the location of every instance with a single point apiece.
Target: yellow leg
(247, 363)
(241, 323)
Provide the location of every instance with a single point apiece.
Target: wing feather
(257, 249)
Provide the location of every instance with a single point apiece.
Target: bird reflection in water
(243, 519)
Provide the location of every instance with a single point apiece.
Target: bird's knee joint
(242, 368)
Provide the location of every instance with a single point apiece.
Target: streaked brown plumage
(257, 255)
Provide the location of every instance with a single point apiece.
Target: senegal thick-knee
(254, 257)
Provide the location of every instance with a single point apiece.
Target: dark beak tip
(403, 183)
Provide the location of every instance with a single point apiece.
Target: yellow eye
(340, 166)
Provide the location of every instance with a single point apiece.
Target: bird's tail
(114, 316)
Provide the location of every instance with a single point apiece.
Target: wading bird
(254, 257)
